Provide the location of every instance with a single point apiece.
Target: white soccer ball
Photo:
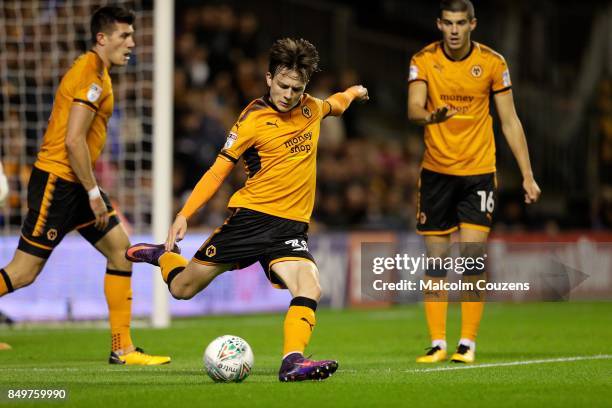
(228, 359)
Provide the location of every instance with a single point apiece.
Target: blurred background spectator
(369, 160)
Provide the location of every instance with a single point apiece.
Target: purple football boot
(296, 367)
(148, 253)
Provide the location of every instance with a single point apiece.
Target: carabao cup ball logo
(228, 359)
(231, 349)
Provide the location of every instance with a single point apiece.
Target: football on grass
(228, 359)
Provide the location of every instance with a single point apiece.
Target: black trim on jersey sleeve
(501, 90)
(330, 108)
(227, 156)
(417, 79)
(91, 105)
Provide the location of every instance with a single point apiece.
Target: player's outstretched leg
(184, 279)
(148, 253)
(301, 278)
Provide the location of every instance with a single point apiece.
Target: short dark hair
(458, 5)
(295, 55)
(104, 19)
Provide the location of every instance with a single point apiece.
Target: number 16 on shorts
(487, 201)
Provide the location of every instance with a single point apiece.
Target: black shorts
(249, 236)
(56, 207)
(447, 202)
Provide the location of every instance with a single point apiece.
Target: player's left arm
(513, 131)
(339, 102)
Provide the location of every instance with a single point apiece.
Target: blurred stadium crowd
(221, 57)
(366, 180)
(367, 175)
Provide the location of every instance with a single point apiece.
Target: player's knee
(24, 278)
(182, 291)
(473, 249)
(315, 291)
(116, 260)
(116, 256)
(22, 271)
(475, 252)
(309, 283)
(436, 272)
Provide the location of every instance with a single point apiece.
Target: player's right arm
(417, 95)
(79, 122)
(203, 191)
(240, 138)
(417, 100)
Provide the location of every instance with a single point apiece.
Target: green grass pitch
(376, 350)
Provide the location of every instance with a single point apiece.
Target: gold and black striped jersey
(88, 84)
(279, 151)
(464, 144)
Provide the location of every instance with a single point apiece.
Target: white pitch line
(418, 370)
(513, 363)
(84, 369)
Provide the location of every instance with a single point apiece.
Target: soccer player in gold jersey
(277, 137)
(63, 194)
(450, 84)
